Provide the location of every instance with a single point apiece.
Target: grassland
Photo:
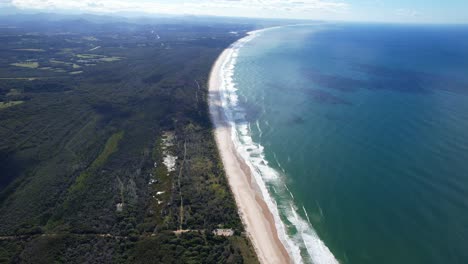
(53, 61)
(110, 59)
(31, 50)
(90, 38)
(32, 65)
(89, 56)
(110, 148)
(99, 58)
(13, 92)
(10, 104)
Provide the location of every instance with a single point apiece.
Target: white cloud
(201, 7)
(402, 12)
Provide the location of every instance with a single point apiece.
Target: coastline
(258, 220)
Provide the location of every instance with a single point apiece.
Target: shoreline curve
(257, 218)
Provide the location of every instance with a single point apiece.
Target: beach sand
(257, 218)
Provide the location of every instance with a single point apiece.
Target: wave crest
(297, 234)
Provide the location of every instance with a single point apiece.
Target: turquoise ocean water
(359, 136)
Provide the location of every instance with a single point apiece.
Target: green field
(10, 104)
(32, 65)
(32, 50)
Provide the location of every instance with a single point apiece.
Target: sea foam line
(305, 238)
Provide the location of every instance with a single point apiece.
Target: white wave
(260, 132)
(306, 214)
(305, 240)
(277, 161)
(290, 193)
(320, 210)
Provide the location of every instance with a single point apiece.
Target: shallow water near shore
(358, 134)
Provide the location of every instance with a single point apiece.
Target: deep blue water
(368, 127)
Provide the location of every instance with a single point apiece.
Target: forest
(106, 146)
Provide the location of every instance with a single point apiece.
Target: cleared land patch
(112, 145)
(32, 65)
(54, 61)
(10, 104)
(13, 92)
(90, 38)
(98, 58)
(32, 50)
(89, 56)
(110, 59)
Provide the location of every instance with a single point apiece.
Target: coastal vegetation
(106, 153)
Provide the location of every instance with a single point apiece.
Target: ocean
(357, 135)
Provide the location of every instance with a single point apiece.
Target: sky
(402, 11)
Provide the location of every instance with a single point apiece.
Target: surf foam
(303, 244)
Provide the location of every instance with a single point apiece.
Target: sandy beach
(257, 218)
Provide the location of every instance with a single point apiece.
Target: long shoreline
(255, 214)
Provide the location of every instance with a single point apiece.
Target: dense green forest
(106, 146)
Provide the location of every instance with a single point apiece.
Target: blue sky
(405, 11)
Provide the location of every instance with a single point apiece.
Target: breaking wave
(295, 231)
